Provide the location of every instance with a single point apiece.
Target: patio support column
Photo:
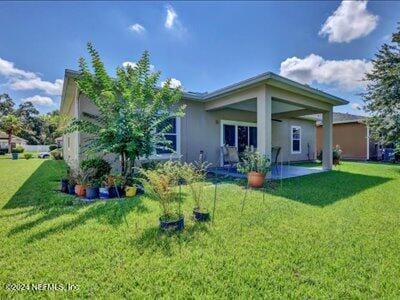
(264, 124)
(327, 119)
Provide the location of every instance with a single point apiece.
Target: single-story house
(264, 111)
(15, 141)
(351, 133)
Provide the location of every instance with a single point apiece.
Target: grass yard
(330, 235)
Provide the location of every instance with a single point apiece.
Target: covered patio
(272, 98)
(278, 172)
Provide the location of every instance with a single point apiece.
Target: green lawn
(330, 235)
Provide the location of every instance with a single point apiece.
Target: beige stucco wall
(71, 140)
(201, 130)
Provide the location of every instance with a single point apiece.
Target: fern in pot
(256, 166)
(162, 184)
(194, 175)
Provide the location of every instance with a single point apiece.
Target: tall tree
(131, 108)
(382, 98)
(6, 105)
(32, 125)
(12, 126)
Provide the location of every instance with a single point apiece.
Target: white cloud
(8, 69)
(39, 100)
(346, 74)
(19, 79)
(137, 28)
(174, 83)
(351, 20)
(171, 17)
(356, 106)
(132, 64)
(50, 88)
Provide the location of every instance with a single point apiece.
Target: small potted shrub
(337, 155)
(162, 185)
(99, 166)
(92, 189)
(256, 166)
(104, 190)
(194, 176)
(15, 152)
(71, 182)
(56, 154)
(82, 180)
(116, 187)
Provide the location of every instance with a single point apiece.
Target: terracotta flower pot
(255, 179)
(80, 190)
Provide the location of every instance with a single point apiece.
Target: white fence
(37, 148)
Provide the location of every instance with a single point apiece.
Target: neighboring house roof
(341, 118)
(268, 77)
(4, 136)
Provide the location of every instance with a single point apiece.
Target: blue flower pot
(104, 193)
(116, 192)
(201, 216)
(171, 226)
(71, 189)
(64, 185)
(92, 193)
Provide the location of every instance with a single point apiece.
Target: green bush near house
(17, 149)
(100, 166)
(56, 154)
(28, 155)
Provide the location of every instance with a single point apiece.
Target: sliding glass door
(239, 135)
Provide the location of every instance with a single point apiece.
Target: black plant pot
(71, 189)
(92, 192)
(115, 192)
(175, 225)
(201, 216)
(64, 185)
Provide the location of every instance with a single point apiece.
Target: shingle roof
(343, 118)
(4, 136)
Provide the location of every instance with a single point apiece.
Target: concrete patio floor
(278, 172)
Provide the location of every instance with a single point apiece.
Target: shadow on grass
(166, 242)
(326, 188)
(40, 196)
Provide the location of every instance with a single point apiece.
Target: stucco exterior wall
(71, 140)
(200, 130)
(351, 137)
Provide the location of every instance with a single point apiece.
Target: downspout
(367, 142)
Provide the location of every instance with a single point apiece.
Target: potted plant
(82, 179)
(130, 188)
(103, 190)
(337, 155)
(162, 185)
(71, 182)
(256, 166)
(92, 189)
(14, 153)
(116, 189)
(194, 176)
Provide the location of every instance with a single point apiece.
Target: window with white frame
(295, 134)
(172, 135)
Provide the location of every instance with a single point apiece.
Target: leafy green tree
(12, 126)
(382, 98)
(28, 115)
(6, 105)
(131, 107)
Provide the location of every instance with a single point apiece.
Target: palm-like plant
(11, 125)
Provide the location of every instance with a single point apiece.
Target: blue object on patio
(387, 154)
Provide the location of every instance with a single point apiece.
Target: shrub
(53, 147)
(28, 155)
(254, 161)
(194, 175)
(101, 166)
(3, 151)
(56, 154)
(161, 184)
(18, 149)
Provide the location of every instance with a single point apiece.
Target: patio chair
(230, 155)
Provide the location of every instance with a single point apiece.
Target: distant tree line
(35, 128)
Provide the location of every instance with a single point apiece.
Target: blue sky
(204, 45)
